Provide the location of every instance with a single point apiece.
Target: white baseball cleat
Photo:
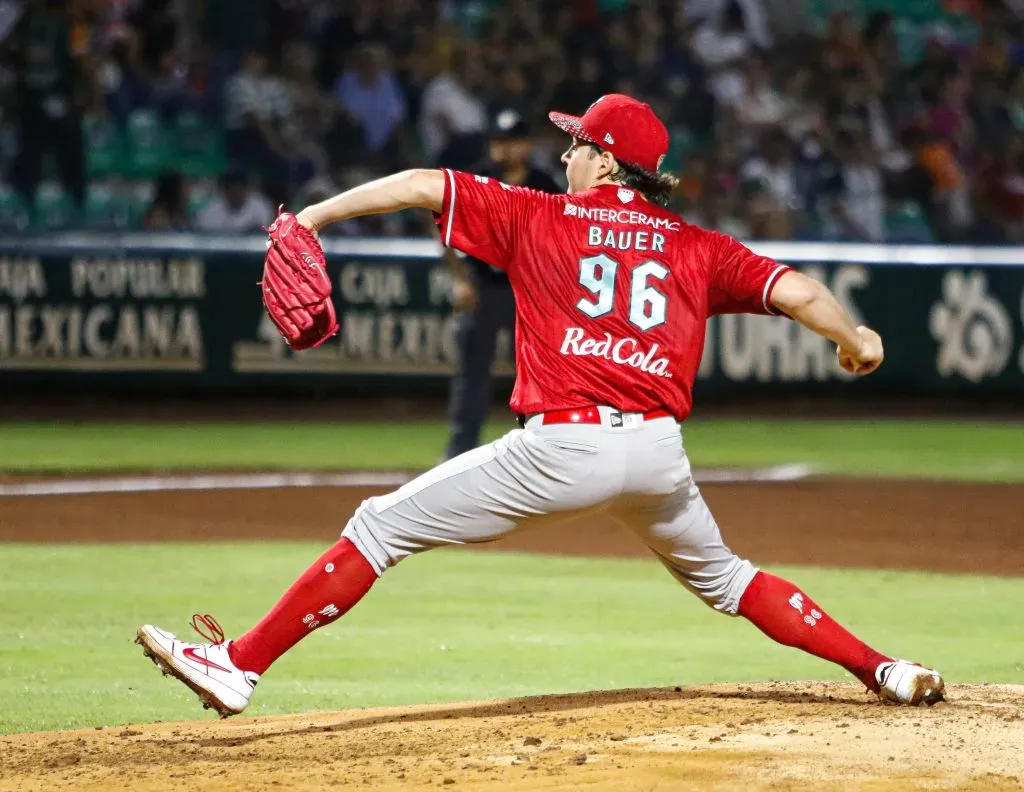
(903, 682)
(205, 668)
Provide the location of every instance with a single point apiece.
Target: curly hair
(655, 187)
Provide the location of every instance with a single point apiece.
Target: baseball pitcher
(612, 294)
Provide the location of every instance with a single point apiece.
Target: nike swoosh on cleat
(191, 654)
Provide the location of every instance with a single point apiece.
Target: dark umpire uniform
(494, 306)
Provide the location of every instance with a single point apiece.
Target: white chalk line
(255, 481)
(782, 473)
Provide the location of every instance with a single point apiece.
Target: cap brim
(570, 124)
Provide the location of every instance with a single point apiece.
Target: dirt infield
(942, 526)
(778, 736)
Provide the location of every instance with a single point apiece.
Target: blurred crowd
(897, 121)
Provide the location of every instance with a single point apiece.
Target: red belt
(590, 415)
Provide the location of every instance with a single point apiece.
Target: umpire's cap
(509, 125)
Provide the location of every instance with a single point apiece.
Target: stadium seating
(199, 147)
(913, 20)
(148, 147)
(106, 208)
(104, 147)
(14, 214)
(53, 208)
(122, 163)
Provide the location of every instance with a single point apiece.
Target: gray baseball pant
(632, 469)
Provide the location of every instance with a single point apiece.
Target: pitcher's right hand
(867, 357)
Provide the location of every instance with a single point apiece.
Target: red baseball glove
(296, 287)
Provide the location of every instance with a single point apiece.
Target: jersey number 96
(646, 304)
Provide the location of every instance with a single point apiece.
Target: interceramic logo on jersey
(605, 214)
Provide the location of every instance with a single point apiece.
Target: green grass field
(447, 626)
(458, 625)
(961, 450)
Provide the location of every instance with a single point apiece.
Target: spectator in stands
(619, 53)
(678, 60)
(924, 79)
(992, 56)
(693, 181)
(257, 107)
(414, 70)
(10, 13)
(710, 204)
(816, 164)
(878, 119)
(947, 115)
(456, 59)
(168, 210)
(237, 209)
(759, 104)
(368, 92)
(842, 48)
(1001, 194)
(648, 39)
(775, 204)
(121, 76)
(856, 193)
(451, 107)
(722, 45)
(156, 28)
(881, 44)
(937, 181)
(752, 13)
(512, 91)
(52, 87)
(802, 111)
(352, 24)
(584, 79)
(168, 60)
(716, 209)
(989, 110)
(686, 82)
(312, 111)
(846, 109)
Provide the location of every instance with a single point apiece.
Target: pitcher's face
(585, 164)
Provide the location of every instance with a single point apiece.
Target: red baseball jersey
(612, 292)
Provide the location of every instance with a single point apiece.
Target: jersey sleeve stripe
(451, 207)
(770, 284)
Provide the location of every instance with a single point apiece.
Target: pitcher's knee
(372, 537)
(720, 584)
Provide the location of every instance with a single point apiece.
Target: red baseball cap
(626, 127)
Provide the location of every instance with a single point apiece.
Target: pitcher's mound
(808, 735)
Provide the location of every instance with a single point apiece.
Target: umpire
(482, 294)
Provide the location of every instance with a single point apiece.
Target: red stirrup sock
(326, 591)
(785, 614)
